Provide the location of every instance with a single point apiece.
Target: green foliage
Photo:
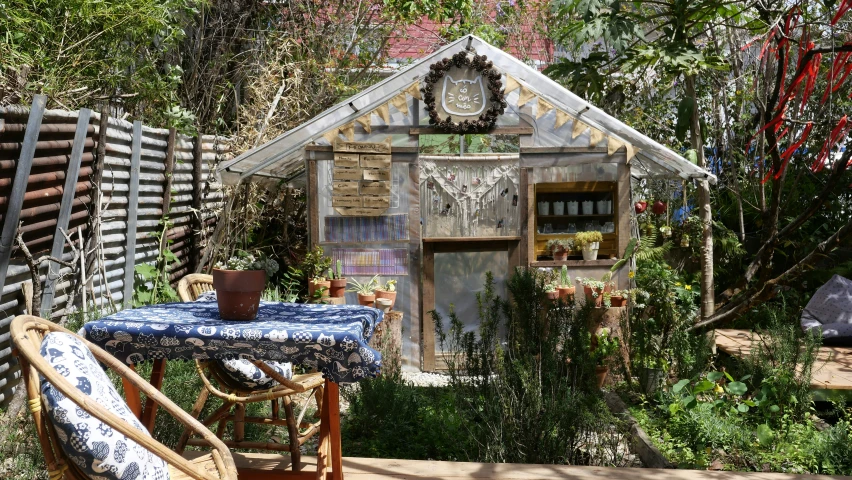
(581, 239)
(564, 278)
(315, 263)
(607, 346)
(365, 288)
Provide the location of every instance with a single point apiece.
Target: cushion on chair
(96, 448)
(830, 311)
(245, 372)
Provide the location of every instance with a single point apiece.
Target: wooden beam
(197, 229)
(428, 332)
(544, 150)
(415, 306)
(523, 217)
(313, 204)
(65, 211)
(494, 131)
(92, 228)
(328, 148)
(470, 239)
(19, 185)
(132, 209)
(167, 184)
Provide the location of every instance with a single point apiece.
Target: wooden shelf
(556, 235)
(601, 262)
(471, 239)
(597, 215)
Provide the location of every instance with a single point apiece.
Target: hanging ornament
(504, 192)
(640, 206)
(430, 185)
(514, 200)
(446, 210)
(476, 181)
(561, 119)
(500, 223)
(464, 188)
(659, 207)
(451, 177)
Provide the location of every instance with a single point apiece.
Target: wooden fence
(59, 174)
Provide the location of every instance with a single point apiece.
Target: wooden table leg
(323, 447)
(149, 414)
(333, 409)
(133, 396)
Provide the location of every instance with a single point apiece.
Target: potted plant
(666, 231)
(550, 290)
(560, 247)
(365, 291)
(337, 282)
(594, 289)
(589, 243)
(652, 374)
(565, 287)
(388, 290)
(618, 298)
(315, 268)
(319, 283)
(239, 282)
(606, 347)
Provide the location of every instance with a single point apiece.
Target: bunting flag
(348, 131)
(525, 96)
(596, 137)
(365, 122)
(400, 102)
(511, 84)
(543, 107)
(612, 145)
(330, 136)
(579, 128)
(383, 113)
(561, 119)
(631, 151)
(414, 90)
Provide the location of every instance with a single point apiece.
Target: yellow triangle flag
(612, 145)
(525, 96)
(631, 151)
(561, 118)
(414, 90)
(348, 131)
(400, 102)
(543, 107)
(365, 122)
(511, 84)
(330, 136)
(579, 128)
(383, 113)
(596, 137)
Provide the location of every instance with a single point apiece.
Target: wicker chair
(28, 333)
(236, 396)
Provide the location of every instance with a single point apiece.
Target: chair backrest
(193, 285)
(28, 333)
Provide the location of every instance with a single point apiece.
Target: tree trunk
(708, 306)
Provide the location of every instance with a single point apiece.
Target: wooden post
(414, 250)
(19, 185)
(94, 227)
(313, 204)
(132, 209)
(64, 212)
(167, 185)
(428, 333)
(197, 221)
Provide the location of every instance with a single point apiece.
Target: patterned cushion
(95, 447)
(245, 372)
(830, 310)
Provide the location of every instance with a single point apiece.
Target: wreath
(481, 64)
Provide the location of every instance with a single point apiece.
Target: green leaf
(728, 376)
(685, 110)
(715, 376)
(764, 434)
(689, 401)
(679, 385)
(774, 409)
(691, 155)
(742, 407)
(737, 388)
(146, 271)
(703, 386)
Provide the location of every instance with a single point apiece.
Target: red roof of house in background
(525, 43)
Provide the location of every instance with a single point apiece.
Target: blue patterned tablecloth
(331, 338)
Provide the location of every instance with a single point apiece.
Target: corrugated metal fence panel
(44, 192)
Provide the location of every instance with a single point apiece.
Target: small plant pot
(650, 380)
(590, 297)
(617, 301)
(238, 292)
(590, 251)
(384, 304)
(560, 255)
(558, 208)
(366, 300)
(553, 296)
(385, 294)
(573, 207)
(314, 286)
(567, 293)
(601, 372)
(337, 287)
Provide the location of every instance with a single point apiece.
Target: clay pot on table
(366, 300)
(314, 286)
(337, 287)
(386, 294)
(238, 292)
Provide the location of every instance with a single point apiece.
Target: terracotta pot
(238, 292)
(617, 301)
(366, 300)
(560, 255)
(314, 286)
(597, 299)
(567, 292)
(553, 295)
(385, 294)
(600, 373)
(337, 287)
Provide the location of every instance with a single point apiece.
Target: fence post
(65, 212)
(19, 185)
(167, 187)
(197, 221)
(94, 223)
(132, 208)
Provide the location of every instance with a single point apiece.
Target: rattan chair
(28, 333)
(236, 396)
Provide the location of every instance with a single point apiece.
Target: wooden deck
(831, 371)
(258, 466)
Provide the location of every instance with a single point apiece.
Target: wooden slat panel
(132, 208)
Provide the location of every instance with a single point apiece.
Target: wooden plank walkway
(267, 466)
(831, 371)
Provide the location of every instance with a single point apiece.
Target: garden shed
(465, 162)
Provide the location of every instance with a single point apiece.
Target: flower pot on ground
(337, 282)
(588, 243)
(560, 248)
(319, 285)
(366, 291)
(602, 348)
(650, 379)
(239, 282)
(388, 291)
